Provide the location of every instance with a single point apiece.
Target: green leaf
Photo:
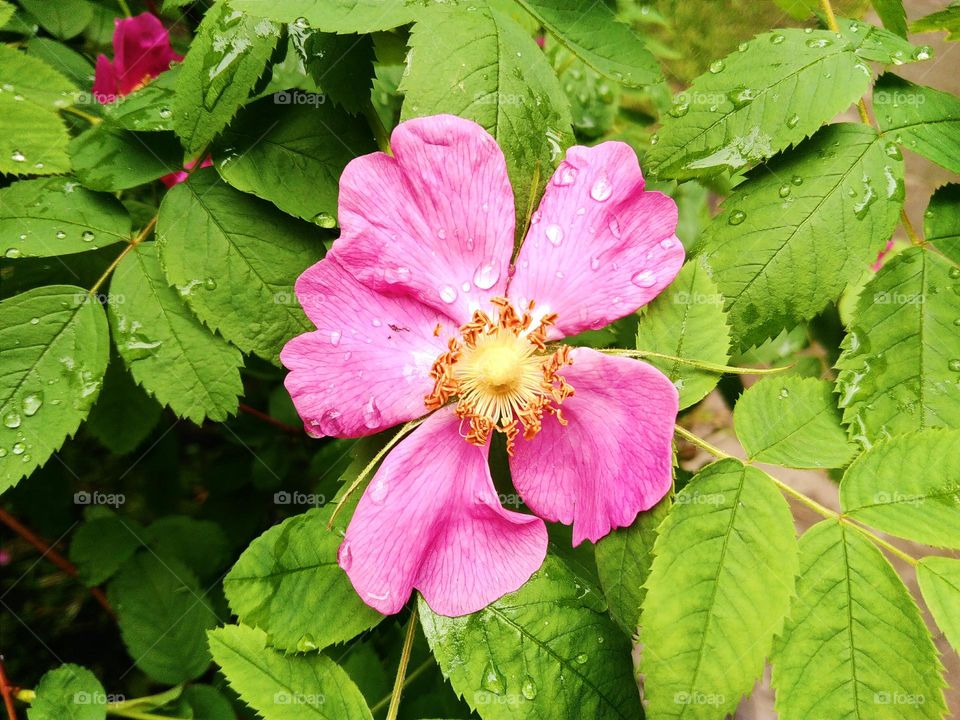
(288, 583)
(179, 536)
(720, 585)
(939, 579)
(941, 224)
(789, 239)
(205, 703)
(591, 31)
(342, 65)
(101, 546)
(892, 15)
(753, 103)
(226, 58)
(284, 687)
(167, 350)
(29, 79)
(70, 692)
(335, 16)
(546, 650)
(55, 216)
(148, 109)
(53, 353)
(124, 414)
(594, 100)
(67, 61)
(922, 119)
(855, 644)
(63, 18)
(107, 158)
(908, 486)
(6, 12)
(163, 617)
(502, 81)
(687, 321)
(623, 564)
(292, 156)
(900, 361)
(794, 422)
(234, 259)
(33, 140)
(947, 20)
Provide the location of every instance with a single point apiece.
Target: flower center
(502, 375)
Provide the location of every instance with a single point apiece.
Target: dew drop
(372, 417)
(796, 180)
(34, 321)
(777, 38)
(529, 688)
(87, 236)
(643, 279)
(345, 556)
(335, 336)
(595, 263)
(3, 452)
(819, 43)
(784, 191)
(306, 643)
(448, 294)
(12, 419)
(717, 66)
(60, 234)
(400, 274)
(581, 658)
(667, 243)
(486, 274)
(565, 174)
(470, 243)
(165, 112)
(17, 156)
(325, 220)
(784, 393)
(737, 217)
(954, 364)
(601, 189)
(923, 53)
(493, 680)
(954, 272)
(378, 489)
(442, 234)
(614, 226)
(31, 403)
(554, 234)
(535, 217)
(210, 284)
(18, 448)
(793, 121)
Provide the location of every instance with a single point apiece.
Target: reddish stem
(7, 692)
(271, 420)
(52, 554)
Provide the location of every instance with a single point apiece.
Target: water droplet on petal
(614, 226)
(378, 489)
(565, 174)
(643, 279)
(448, 294)
(601, 189)
(487, 274)
(345, 556)
(372, 417)
(595, 263)
(667, 244)
(554, 234)
(335, 336)
(442, 234)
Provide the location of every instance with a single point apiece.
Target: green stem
(124, 7)
(700, 442)
(420, 670)
(92, 119)
(154, 701)
(700, 364)
(376, 125)
(137, 715)
(137, 239)
(398, 683)
(405, 430)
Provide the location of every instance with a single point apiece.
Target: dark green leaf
(234, 259)
(922, 119)
(33, 140)
(148, 109)
(900, 366)
(167, 350)
(70, 692)
(942, 221)
(285, 687)
(63, 18)
(225, 60)
(789, 239)
(53, 353)
(124, 414)
(547, 650)
(336, 16)
(101, 546)
(342, 65)
(292, 155)
(107, 158)
(55, 216)
(892, 15)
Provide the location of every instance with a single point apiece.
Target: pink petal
(104, 81)
(174, 178)
(367, 365)
(431, 519)
(600, 246)
(613, 459)
(435, 220)
(141, 50)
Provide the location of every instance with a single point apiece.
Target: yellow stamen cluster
(502, 375)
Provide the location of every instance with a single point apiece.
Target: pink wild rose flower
(418, 310)
(141, 51)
